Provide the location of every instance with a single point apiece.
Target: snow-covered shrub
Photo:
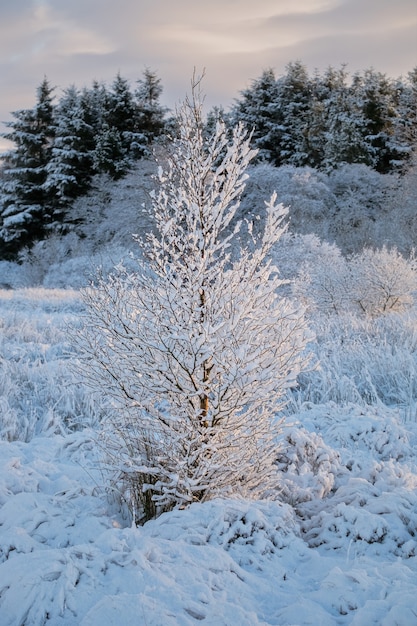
(56, 249)
(295, 251)
(113, 210)
(13, 276)
(368, 433)
(308, 466)
(196, 350)
(359, 188)
(77, 272)
(324, 282)
(372, 282)
(250, 532)
(353, 206)
(304, 190)
(361, 208)
(363, 514)
(383, 281)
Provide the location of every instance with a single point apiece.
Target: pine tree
(405, 125)
(343, 136)
(150, 114)
(294, 94)
(129, 123)
(375, 99)
(115, 120)
(71, 165)
(95, 102)
(110, 154)
(196, 349)
(259, 109)
(121, 111)
(27, 207)
(278, 111)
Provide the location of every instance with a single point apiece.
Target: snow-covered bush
(372, 282)
(295, 251)
(77, 272)
(304, 190)
(367, 435)
(308, 465)
(383, 281)
(367, 515)
(37, 260)
(12, 276)
(359, 189)
(324, 282)
(352, 206)
(196, 350)
(362, 208)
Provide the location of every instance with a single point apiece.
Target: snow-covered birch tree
(196, 349)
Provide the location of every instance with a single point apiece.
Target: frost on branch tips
(196, 348)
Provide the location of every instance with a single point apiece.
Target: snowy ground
(340, 548)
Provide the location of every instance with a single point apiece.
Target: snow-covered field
(340, 547)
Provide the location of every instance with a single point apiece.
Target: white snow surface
(338, 547)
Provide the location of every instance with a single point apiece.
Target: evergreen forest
(322, 121)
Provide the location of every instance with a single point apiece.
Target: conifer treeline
(60, 147)
(320, 121)
(328, 119)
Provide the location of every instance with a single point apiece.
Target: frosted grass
(38, 391)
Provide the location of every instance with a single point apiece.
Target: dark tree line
(320, 120)
(59, 147)
(329, 119)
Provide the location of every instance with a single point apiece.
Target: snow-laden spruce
(196, 349)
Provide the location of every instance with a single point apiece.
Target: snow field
(338, 547)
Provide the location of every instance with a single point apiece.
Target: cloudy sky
(77, 41)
